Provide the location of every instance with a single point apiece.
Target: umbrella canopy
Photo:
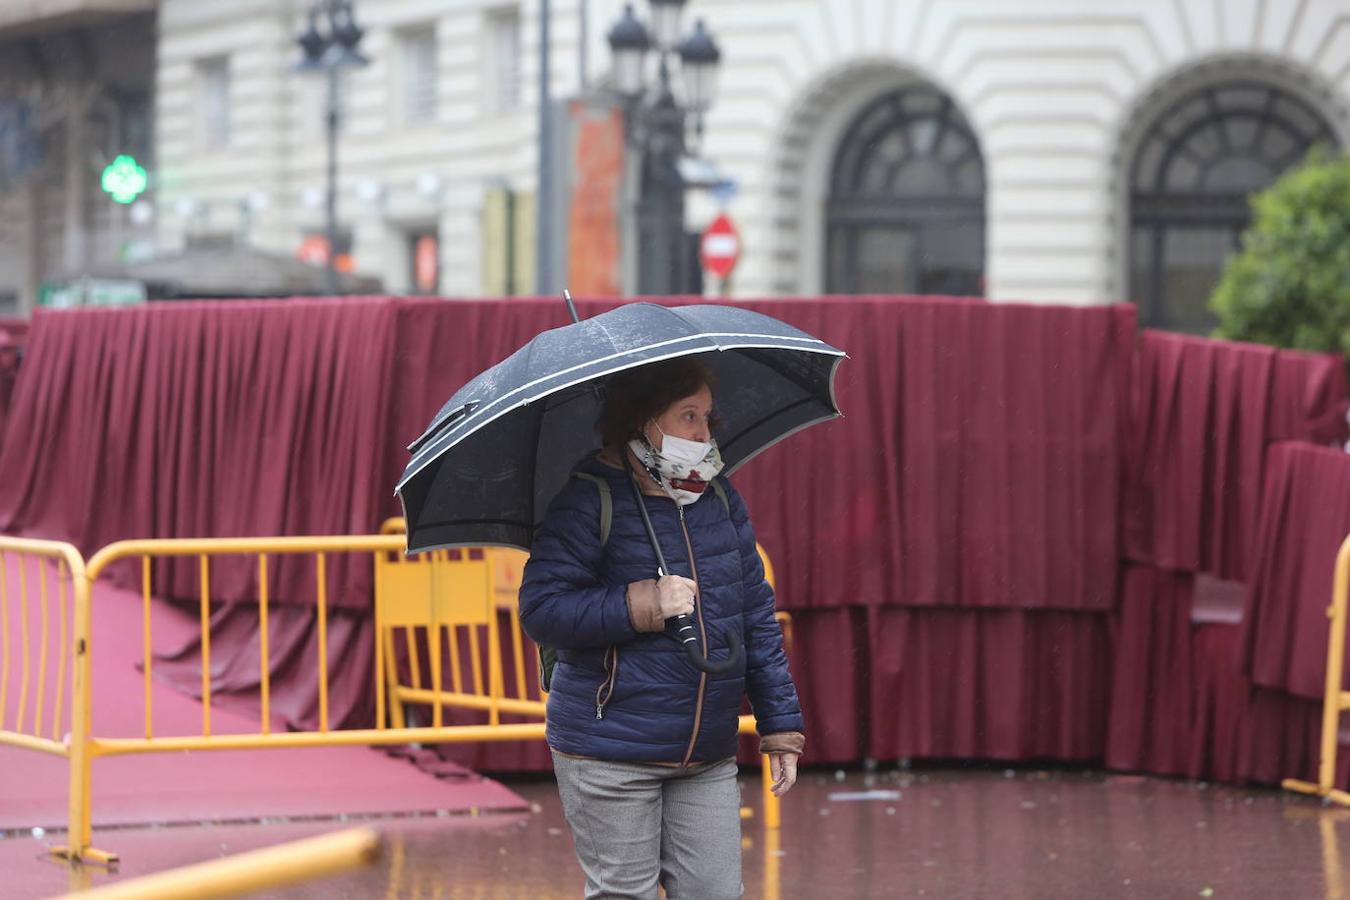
(497, 453)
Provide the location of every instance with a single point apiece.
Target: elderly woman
(644, 742)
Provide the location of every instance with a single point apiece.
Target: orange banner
(593, 216)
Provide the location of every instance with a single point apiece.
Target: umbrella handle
(681, 629)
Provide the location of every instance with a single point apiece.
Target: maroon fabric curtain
(950, 550)
(987, 684)
(977, 464)
(1202, 415)
(1305, 515)
(1180, 703)
(1153, 677)
(206, 419)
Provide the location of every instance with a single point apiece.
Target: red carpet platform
(196, 786)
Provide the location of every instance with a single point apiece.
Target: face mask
(684, 452)
(682, 467)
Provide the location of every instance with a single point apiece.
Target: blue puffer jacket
(621, 695)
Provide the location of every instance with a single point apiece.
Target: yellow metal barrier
(270, 867)
(32, 730)
(431, 592)
(86, 747)
(1336, 700)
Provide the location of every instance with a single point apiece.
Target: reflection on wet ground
(939, 833)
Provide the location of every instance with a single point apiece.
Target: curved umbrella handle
(681, 628)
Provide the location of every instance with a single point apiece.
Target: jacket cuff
(644, 607)
(783, 742)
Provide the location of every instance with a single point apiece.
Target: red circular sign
(720, 247)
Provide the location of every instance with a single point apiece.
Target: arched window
(905, 213)
(1194, 170)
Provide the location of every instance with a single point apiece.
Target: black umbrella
(485, 470)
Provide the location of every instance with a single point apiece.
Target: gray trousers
(637, 826)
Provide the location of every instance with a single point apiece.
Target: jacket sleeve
(563, 603)
(773, 696)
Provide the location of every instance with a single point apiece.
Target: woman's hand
(783, 768)
(651, 602)
(676, 595)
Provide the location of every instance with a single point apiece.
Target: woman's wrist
(644, 607)
(783, 742)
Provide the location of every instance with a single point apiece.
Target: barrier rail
(1335, 700)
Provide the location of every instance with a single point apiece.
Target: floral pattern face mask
(682, 467)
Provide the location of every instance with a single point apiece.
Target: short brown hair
(636, 396)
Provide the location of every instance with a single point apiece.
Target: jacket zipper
(703, 636)
(606, 688)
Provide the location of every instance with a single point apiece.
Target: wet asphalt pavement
(937, 833)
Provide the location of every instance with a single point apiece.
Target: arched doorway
(1195, 167)
(905, 211)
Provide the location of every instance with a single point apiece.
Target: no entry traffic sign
(720, 247)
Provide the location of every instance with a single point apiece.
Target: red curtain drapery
(1305, 515)
(964, 598)
(203, 420)
(1004, 684)
(1202, 414)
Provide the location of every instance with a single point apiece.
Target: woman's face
(687, 418)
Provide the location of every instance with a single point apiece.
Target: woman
(644, 743)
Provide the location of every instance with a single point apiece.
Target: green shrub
(1290, 285)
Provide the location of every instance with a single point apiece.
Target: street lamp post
(330, 50)
(657, 126)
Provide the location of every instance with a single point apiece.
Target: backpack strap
(606, 504)
(721, 494)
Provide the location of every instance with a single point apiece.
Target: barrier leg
(1335, 699)
(79, 828)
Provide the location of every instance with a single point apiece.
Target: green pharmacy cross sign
(125, 179)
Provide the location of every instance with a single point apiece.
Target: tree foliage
(1290, 284)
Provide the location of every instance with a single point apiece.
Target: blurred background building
(76, 90)
(1049, 151)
